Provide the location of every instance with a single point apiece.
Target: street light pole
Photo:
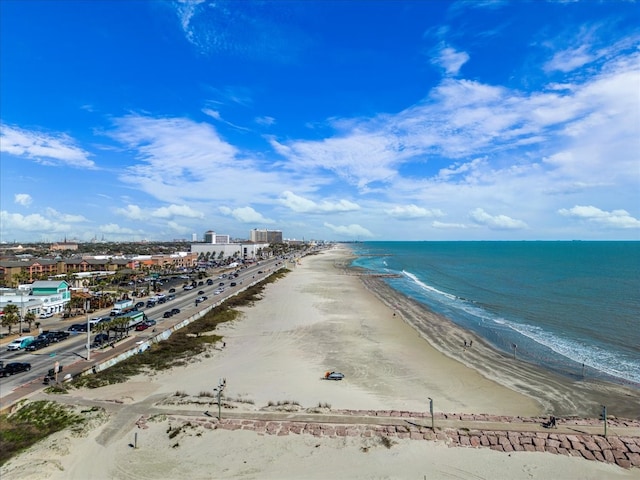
(87, 305)
(433, 428)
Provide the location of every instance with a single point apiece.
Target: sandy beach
(320, 317)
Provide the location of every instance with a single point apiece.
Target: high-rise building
(265, 236)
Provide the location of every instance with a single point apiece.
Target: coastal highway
(74, 349)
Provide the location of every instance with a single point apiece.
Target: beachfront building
(212, 237)
(38, 298)
(238, 251)
(265, 236)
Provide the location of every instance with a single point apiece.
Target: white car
(46, 315)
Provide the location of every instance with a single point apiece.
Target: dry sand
(317, 318)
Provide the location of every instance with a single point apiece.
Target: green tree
(11, 316)
(30, 317)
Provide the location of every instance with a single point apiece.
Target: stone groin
(623, 451)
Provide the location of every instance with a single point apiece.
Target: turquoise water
(572, 307)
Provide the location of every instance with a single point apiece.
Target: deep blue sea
(561, 304)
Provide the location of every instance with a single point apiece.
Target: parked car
(14, 367)
(141, 326)
(333, 376)
(101, 338)
(37, 344)
(46, 315)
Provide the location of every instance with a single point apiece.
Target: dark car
(15, 367)
(37, 344)
(57, 336)
(101, 338)
(78, 327)
(167, 314)
(151, 303)
(209, 282)
(201, 292)
(221, 284)
(172, 290)
(233, 284)
(150, 322)
(175, 311)
(140, 305)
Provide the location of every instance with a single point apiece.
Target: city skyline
(355, 120)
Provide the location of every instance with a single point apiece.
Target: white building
(244, 251)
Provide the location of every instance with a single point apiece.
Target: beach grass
(183, 345)
(31, 423)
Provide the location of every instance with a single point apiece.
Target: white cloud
(352, 231)
(23, 199)
(304, 205)
(29, 223)
(245, 215)
(613, 219)
(412, 211)
(451, 60)
(132, 212)
(570, 59)
(173, 211)
(446, 226)
(181, 160)
(115, 229)
(44, 148)
(64, 217)
(496, 222)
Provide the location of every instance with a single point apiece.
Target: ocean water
(571, 307)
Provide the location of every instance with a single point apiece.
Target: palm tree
(30, 317)
(11, 316)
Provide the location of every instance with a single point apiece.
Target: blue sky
(333, 120)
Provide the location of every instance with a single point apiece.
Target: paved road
(72, 353)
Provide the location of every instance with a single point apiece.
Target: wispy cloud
(409, 212)
(591, 214)
(349, 231)
(304, 205)
(495, 222)
(47, 149)
(23, 199)
(246, 215)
